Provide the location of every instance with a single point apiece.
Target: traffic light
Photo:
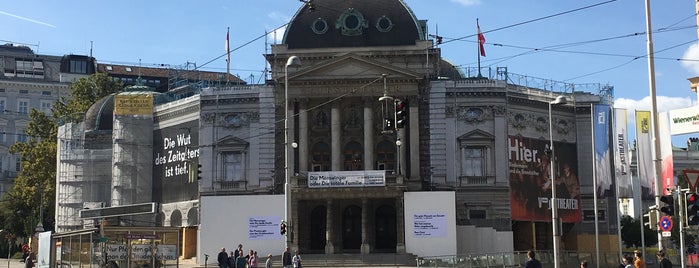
(650, 219)
(199, 172)
(439, 39)
(692, 209)
(282, 228)
(669, 205)
(401, 107)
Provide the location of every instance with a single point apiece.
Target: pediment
(476, 135)
(352, 67)
(232, 142)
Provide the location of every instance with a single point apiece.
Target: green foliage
(34, 188)
(631, 233)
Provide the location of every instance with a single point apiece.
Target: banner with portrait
(530, 183)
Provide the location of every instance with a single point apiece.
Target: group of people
(637, 260)
(237, 259)
(627, 261)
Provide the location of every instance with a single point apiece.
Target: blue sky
(598, 41)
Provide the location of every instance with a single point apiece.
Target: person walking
(29, 261)
(638, 262)
(286, 258)
(662, 261)
(222, 259)
(532, 262)
(252, 260)
(268, 263)
(297, 259)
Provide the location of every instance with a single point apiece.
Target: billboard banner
(622, 160)
(668, 179)
(175, 162)
(603, 154)
(335, 179)
(133, 104)
(684, 121)
(530, 194)
(644, 155)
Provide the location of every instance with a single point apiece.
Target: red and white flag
(481, 40)
(228, 47)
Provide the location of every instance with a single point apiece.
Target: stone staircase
(359, 260)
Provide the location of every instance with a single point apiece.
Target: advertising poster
(429, 225)
(622, 159)
(666, 152)
(530, 183)
(175, 162)
(603, 155)
(644, 155)
(264, 228)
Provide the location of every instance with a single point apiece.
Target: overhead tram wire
(636, 58)
(532, 20)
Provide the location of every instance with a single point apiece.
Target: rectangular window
(22, 136)
(2, 105)
(18, 164)
(473, 161)
(234, 166)
(476, 214)
(23, 91)
(46, 106)
(46, 93)
(78, 66)
(2, 137)
(23, 106)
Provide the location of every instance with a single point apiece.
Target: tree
(631, 233)
(36, 182)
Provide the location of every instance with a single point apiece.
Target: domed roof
(100, 116)
(353, 23)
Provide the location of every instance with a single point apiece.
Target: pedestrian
(268, 263)
(638, 262)
(252, 260)
(222, 259)
(627, 261)
(532, 262)
(662, 261)
(583, 264)
(297, 259)
(29, 261)
(240, 261)
(231, 259)
(286, 258)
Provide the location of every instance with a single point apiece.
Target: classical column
(329, 231)
(400, 227)
(365, 226)
(368, 134)
(335, 129)
(303, 136)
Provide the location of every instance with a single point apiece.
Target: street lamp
(560, 100)
(292, 61)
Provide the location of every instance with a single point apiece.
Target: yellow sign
(133, 104)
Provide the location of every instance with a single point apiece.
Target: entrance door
(318, 220)
(385, 228)
(352, 227)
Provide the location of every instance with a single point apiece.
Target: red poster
(530, 186)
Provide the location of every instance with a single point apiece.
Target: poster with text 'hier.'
(430, 225)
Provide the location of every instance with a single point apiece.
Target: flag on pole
(481, 40)
(228, 47)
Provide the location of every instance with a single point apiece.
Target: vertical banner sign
(530, 191)
(668, 179)
(622, 161)
(644, 155)
(603, 153)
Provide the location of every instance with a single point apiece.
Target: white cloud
(467, 2)
(664, 103)
(691, 53)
